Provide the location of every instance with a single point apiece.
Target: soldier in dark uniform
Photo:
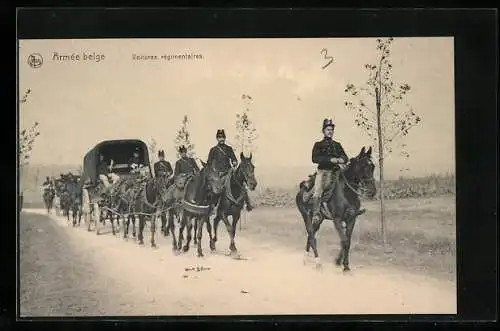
(162, 167)
(102, 170)
(185, 165)
(330, 157)
(135, 161)
(222, 158)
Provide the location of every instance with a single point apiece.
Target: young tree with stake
(153, 146)
(183, 138)
(392, 117)
(246, 133)
(27, 139)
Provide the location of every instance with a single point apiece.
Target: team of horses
(191, 200)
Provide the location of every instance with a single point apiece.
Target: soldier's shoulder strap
(222, 150)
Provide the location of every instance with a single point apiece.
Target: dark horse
(73, 201)
(343, 206)
(198, 193)
(233, 197)
(48, 198)
(148, 204)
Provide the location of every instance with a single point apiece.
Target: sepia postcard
(277, 176)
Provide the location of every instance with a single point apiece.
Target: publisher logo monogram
(35, 60)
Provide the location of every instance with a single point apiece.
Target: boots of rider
(316, 209)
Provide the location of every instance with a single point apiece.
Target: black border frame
(476, 85)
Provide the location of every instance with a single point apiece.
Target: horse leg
(340, 230)
(229, 231)
(216, 225)
(199, 233)
(142, 222)
(164, 224)
(195, 231)
(347, 247)
(209, 230)
(153, 230)
(181, 230)
(171, 228)
(126, 224)
(112, 221)
(235, 219)
(134, 232)
(189, 236)
(312, 229)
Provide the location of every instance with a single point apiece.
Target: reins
(351, 187)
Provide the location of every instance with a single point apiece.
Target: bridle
(362, 183)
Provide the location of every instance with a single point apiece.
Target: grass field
(421, 234)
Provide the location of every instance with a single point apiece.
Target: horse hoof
(185, 248)
(337, 262)
(154, 246)
(200, 254)
(346, 269)
(318, 263)
(141, 242)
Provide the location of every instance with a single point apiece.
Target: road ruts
(57, 278)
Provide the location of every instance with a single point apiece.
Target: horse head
(361, 170)
(214, 182)
(247, 169)
(180, 181)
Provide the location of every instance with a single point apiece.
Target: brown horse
(172, 206)
(48, 198)
(196, 204)
(148, 204)
(342, 206)
(232, 199)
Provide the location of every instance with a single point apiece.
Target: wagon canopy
(120, 151)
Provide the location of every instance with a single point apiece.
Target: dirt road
(69, 271)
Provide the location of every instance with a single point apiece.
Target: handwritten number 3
(324, 51)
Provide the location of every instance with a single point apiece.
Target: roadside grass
(420, 235)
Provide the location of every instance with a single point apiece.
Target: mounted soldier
(223, 159)
(162, 167)
(47, 185)
(330, 157)
(185, 165)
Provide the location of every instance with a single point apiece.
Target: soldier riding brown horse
(343, 189)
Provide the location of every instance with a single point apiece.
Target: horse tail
(299, 201)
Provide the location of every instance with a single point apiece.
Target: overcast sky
(80, 103)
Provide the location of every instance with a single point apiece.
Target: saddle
(308, 186)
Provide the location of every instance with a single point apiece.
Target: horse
(117, 204)
(232, 199)
(172, 206)
(148, 203)
(342, 206)
(196, 205)
(120, 203)
(73, 201)
(48, 199)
